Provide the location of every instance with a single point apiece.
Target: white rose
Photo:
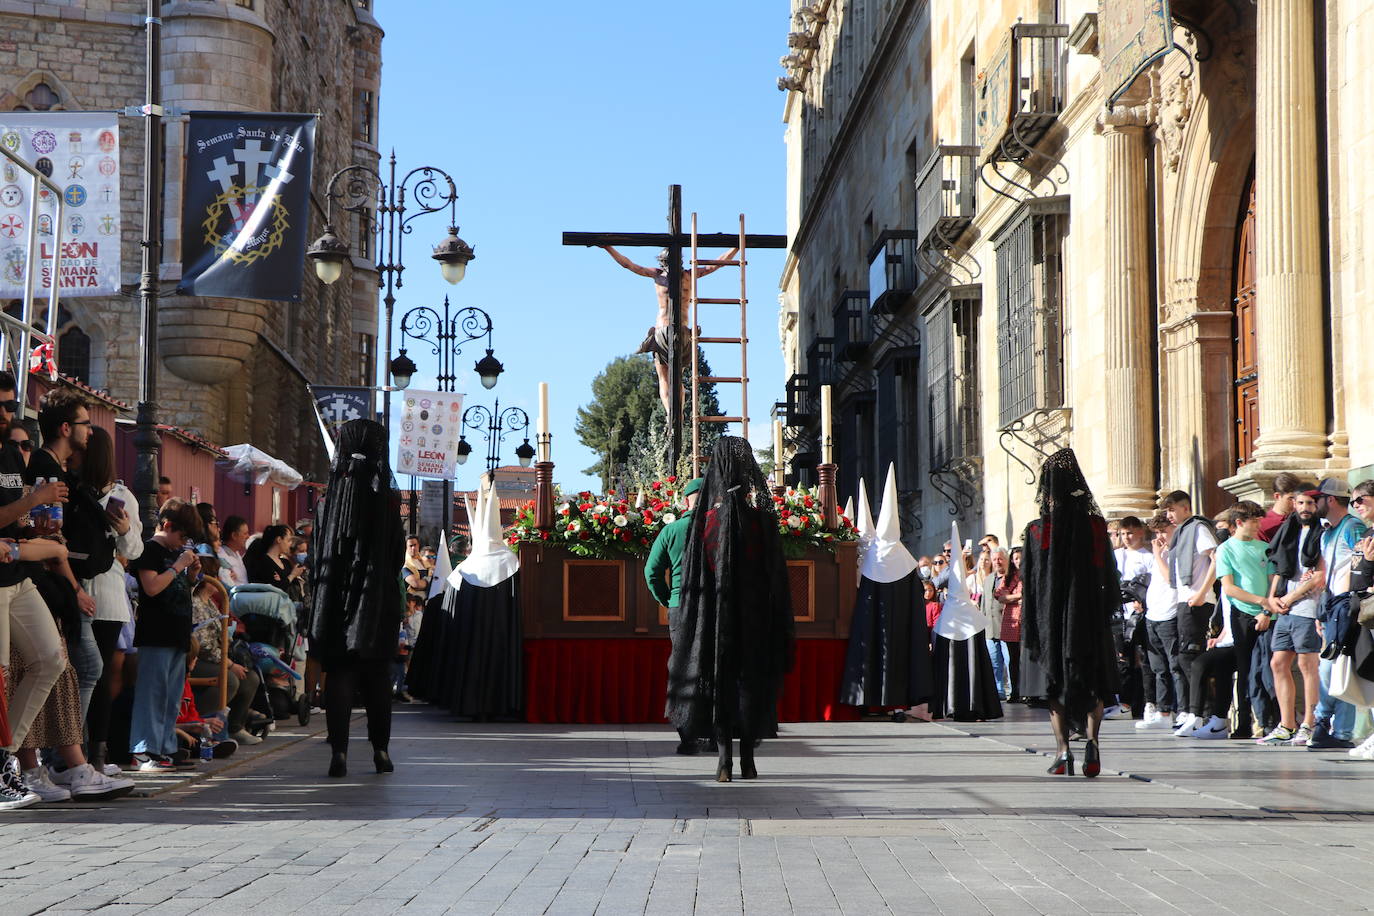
(621, 521)
(599, 510)
(794, 522)
(575, 526)
(669, 518)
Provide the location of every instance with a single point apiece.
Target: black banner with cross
(246, 204)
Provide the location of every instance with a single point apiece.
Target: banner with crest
(246, 204)
(79, 150)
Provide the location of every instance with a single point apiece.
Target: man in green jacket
(663, 573)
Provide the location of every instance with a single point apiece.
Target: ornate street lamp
(495, 425)
(381, 205)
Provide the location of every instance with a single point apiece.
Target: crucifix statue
(674, 290)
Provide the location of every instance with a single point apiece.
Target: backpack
(90, 539)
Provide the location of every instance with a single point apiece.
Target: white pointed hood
(491, 561)
(959, 616)
(849, 508)
(443, 568)
(887, 559)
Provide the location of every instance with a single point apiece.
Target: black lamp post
(381, 205)
(445, 334)
(495, 425)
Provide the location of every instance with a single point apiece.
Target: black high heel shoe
(338, 764)
(1063, 765)
(382, 760)
(1092, 762)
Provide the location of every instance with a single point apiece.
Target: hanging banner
(1131, 35)
(246, 204)
(431, 503)
(79, 150)
(338, 404)
(431, 425)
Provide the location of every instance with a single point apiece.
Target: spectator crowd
(125, 649)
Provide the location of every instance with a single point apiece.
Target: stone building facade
(989, 262)
(232, 370)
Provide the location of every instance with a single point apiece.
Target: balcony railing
(853, 326)
(894, 271)
(946, 195)
(798, 400)
(1021, 91)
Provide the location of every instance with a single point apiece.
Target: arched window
(41, 98)
(74, 354)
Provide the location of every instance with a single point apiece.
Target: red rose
(565, 512)
(808, 503)
(785, 513)
(672, 480)
(571, 527)
(543, 535)
(586, 535)
(656, 485)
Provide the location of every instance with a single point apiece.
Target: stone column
(1131, 440)
(1290, 336)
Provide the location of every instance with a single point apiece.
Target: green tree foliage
(624, 425)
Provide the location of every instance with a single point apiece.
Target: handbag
(1346, 683)
(1366, 617)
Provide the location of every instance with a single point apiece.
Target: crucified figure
(656, 340)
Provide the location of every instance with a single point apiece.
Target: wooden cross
(674, 240)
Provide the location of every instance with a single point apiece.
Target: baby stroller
(275, 645)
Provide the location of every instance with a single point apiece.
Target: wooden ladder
(742, 340)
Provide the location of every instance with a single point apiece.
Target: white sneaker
(1184, 727)
(244, 737)
(1115, 712)
(1365, 751)
(1214, 728)
(112, 769)
(1151, 717)
(36, 780)
(87, 784)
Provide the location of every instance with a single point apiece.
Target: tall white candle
(779, 463)
(825, 425)
(543, 407)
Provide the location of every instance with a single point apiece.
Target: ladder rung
(720, 419)
(721, 301)
(734, 379)
(727, 263)
(733, 340)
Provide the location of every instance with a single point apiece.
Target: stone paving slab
(865, 817)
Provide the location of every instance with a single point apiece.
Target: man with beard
(1299, 572)
(25, 622)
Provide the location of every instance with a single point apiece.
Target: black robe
(888, 659)
(967, 688)
(469, 654)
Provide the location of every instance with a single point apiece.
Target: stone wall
(233, 370)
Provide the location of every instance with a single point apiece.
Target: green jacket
(665, 556)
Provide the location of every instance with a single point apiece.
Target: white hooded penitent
(959, 616)
(886, 559)
(491, 561)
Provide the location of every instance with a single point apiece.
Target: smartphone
(14, 550)
(115, 504)
(968, 545)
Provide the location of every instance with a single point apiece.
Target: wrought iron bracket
(957, 482)
(953, 269)
(1036, 431)
(1020, 153)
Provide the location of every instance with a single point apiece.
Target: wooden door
(1244, 357)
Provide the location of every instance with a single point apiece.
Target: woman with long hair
(1007, 594)
(355, 602)
(733, 636)
(268, 559)
(108, 588)
(1070, 587)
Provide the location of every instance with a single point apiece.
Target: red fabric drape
(623, 681)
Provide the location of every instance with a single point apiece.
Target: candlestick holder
(825, 474)
(543, 495)
(544, 441)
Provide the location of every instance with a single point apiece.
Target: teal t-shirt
(1247, 563)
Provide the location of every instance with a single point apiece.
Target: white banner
(80, 152)
(431, 424)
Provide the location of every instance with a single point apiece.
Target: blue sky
(558, 116)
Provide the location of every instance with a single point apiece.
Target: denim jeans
(997, 650)
(1341, 713)
(157, 699)
(1171, 691)
(84, 655)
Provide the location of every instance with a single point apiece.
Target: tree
(624, 425)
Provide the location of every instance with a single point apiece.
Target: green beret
(693, 486)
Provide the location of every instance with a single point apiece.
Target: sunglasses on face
(25, 445)
(10, 406)
(1359, 500)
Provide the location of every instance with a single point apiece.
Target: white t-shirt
(1134, 563)
(1206, 541)
(1307, 607)
(1161, 598)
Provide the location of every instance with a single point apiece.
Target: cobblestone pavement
(854, 818)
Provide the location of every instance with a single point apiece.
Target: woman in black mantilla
(733, 635)
(355, 602)
(1070, 588)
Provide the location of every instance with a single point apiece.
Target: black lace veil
(359, 549)
(733, 631)
(1070, 588)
